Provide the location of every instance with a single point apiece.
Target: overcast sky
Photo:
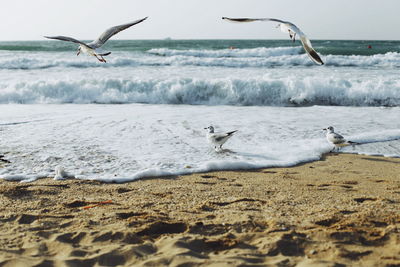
(199, 19)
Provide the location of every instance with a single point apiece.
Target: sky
(199, 19)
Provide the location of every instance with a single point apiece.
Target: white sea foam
(120, 143)
(327, 89)
(237, 53)
(260, 76)
(237, 58)
(391, 59)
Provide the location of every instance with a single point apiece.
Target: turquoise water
(332, 47)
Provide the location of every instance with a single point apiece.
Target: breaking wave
(235, 58)
(237, 53)
(286, 91)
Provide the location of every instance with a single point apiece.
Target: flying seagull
(293, 30)
(217, 139)
(336, 139)
(93, 47)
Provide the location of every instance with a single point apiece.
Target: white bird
(336, 139)
(92, 48)
(217, 139)
(293, 30)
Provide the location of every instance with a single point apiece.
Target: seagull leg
(103, 59)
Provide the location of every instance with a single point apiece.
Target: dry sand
(341, 211)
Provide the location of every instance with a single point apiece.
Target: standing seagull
(93, 47)
(217, 139)
(336, 139)
(293, 30)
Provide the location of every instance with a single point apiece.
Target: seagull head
(210, 129)
(329, 129)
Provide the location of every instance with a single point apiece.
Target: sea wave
(262, 91)
(237, 58)
(237, 53)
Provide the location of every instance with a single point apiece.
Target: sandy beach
(158, 133)
(343, 210)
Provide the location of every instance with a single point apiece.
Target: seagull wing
(251, 20)
(336, 138)
(310, 50)
(221, 136)
(111, 32)
(293, 29)
(305, 42)
(65, 38)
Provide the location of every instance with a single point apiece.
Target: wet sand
(341, 211)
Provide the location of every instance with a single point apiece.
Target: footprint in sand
(27, 219)
(327, 222)
(205, 183)
(159, 228)
(208, 176)
(71, 238)
(363, 199)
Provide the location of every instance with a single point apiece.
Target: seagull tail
(353, 143)
(230, 133)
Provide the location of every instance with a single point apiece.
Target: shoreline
(342, 209)
(68, 176)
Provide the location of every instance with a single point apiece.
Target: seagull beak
(324, 129)
(205, 128)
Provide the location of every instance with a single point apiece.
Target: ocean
(143, 113)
